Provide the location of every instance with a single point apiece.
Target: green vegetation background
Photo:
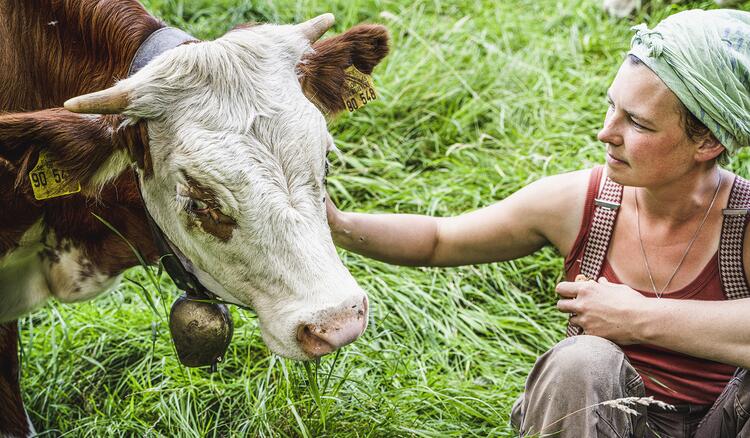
(477, 99)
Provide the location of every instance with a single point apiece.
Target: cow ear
(88, 147)
(322, 69)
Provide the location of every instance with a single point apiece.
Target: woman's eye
(638, 126)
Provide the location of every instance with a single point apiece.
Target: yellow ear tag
(359, 89)
(49, 181)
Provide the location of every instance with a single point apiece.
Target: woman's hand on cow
(402, 239)
(603, 309)
(332, 213)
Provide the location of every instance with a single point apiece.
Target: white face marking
(228, 118)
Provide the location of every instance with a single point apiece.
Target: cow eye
(325, 178)
(196, 206)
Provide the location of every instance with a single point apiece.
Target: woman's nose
(609, 132)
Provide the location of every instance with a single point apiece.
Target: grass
(477, 99)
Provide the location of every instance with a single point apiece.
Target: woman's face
(646, 142)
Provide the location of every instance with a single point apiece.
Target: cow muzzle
(333, 329)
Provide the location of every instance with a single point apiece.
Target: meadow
(476, 100)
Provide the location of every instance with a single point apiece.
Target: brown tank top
(668, 376)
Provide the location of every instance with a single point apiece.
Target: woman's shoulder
(573, 178)
(564, 197)
(569, 186)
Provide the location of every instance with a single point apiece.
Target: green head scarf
(704, 58)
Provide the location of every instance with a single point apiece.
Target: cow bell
(201, 331)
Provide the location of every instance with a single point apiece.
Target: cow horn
(316, 27)
(113, 100)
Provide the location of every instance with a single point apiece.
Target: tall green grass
(477, 99)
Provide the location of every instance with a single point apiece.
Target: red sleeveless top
(668, 376)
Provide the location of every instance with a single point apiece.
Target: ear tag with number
(359, 89)
(49, 181)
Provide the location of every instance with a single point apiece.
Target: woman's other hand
(603, 309)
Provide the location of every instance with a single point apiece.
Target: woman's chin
(617, 174)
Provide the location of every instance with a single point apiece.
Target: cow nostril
(311, 341)
(338, 328)
(320, 339)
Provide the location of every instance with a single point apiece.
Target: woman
(657, 321)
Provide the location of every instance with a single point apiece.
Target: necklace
(687, 250)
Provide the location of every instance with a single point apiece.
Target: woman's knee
(582, 360)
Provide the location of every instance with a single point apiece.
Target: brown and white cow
(228, 139)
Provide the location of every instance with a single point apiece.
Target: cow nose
(339, 328)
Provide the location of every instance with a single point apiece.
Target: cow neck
(174, 262)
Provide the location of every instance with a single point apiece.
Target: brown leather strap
(157, 43)
(731, 267)
(600, 232)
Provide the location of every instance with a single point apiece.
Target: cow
(223, 143)
(624, 8)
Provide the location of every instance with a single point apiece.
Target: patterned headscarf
(704, 58)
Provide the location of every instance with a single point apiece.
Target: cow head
(234, 166)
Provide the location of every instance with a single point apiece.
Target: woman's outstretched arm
(548, 211)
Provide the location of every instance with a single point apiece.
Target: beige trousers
(567, 384)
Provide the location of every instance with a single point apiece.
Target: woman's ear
(709, 148)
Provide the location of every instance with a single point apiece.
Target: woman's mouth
(612, 161)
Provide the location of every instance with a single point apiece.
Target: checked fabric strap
(731, 268)
(600, 232)
(733, 280)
